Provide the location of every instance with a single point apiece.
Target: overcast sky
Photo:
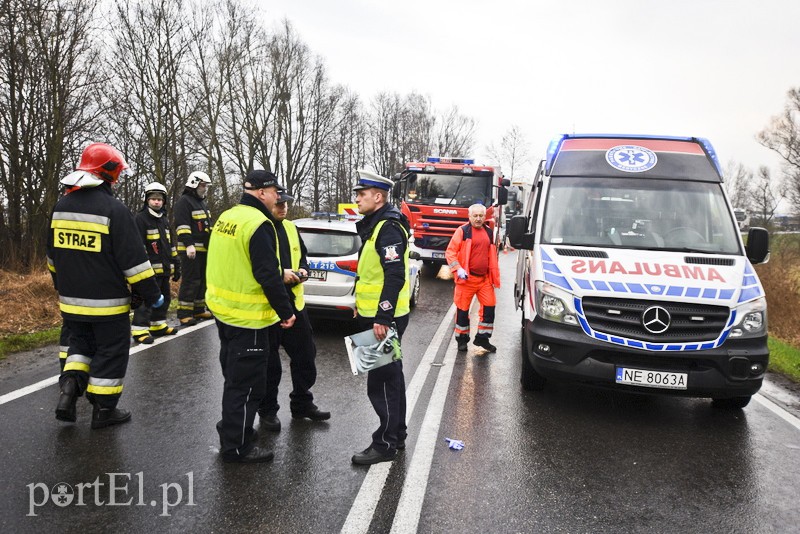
(709, 68)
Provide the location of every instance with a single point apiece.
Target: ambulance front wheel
(733, 403)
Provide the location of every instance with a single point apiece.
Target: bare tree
(50, 79)
(455, 134)
(399, 130)
(157, 109)
(512, 154)
(783, 136)
(739, 185)
(766, 198)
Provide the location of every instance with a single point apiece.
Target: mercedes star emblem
(656, 319)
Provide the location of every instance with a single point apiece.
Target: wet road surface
(568, 459)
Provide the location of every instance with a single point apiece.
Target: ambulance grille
(689, 322)
(728, 262)
(581, 253)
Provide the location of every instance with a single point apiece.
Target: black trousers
(63, 345)
(298, 342)
(98, 358)
(243, 357)
(147, 318)
(192, 293)
(386, 389)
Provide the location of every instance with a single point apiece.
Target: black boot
(65, 409)
(103, 417)
(462, 343)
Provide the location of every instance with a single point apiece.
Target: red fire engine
(436, 196)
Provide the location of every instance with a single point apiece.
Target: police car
(333, 244)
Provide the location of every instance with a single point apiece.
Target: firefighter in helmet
(153, 225)
(193, 227)
(94, 254)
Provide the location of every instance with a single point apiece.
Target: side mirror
(413, 255)
(502, 196)
(757, 248)
(516, 232)
(505, 182)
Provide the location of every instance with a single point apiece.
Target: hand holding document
(366, 352)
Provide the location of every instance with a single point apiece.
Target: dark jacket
(192, 222)
(264, 259)
(391, 235)
(158, 240)
(94, 251)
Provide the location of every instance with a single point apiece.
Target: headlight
(751, 319)
(555, 304)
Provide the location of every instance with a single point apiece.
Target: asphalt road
(568, 459)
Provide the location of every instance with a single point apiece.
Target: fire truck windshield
(449, 189)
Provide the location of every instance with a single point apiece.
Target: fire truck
(436, 196)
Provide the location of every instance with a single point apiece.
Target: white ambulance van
(632, 273)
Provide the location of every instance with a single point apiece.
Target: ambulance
(632, 273)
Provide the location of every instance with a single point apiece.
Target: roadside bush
(781, 280)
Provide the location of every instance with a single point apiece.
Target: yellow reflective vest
(232, 292)
(369, 283)
(296, 252)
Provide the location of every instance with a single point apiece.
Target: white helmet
(154, 187)
(196, 178)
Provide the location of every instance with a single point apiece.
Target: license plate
(651, 379)
(438, 255)
(320, 276)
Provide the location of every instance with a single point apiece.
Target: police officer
(298, 341)
(94, 252)
(247, 295)
(382, 298)
(192, 226)
(153, 226)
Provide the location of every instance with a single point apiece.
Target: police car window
(639, 213)
(327, 244)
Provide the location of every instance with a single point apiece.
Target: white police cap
(367, 179)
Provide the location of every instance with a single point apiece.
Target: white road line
(360, 516)
(777, 410)
(409, 507)
(16, 394)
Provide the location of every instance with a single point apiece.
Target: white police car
(333, 246)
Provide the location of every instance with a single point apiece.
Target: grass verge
(18, 342)
(784, 359)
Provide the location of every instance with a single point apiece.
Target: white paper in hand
(366, 352)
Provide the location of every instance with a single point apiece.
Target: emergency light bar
(555, 145)
(465, 161)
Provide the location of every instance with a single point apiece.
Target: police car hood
(647, 274)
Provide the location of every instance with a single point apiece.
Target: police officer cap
(259, 178)
(368, 179)
(284, 197)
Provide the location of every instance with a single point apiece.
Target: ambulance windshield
(640, 214)
(450, 189)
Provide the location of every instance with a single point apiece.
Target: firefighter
(94, 253)
(153, 226)
(382, 298)
(193, 226)
(247, 295)
(298, 341)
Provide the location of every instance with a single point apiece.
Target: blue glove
(454, 444)
(159, 302)
(462, 273)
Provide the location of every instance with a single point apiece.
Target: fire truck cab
(436, 195)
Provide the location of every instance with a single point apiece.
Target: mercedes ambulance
(632, 273)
